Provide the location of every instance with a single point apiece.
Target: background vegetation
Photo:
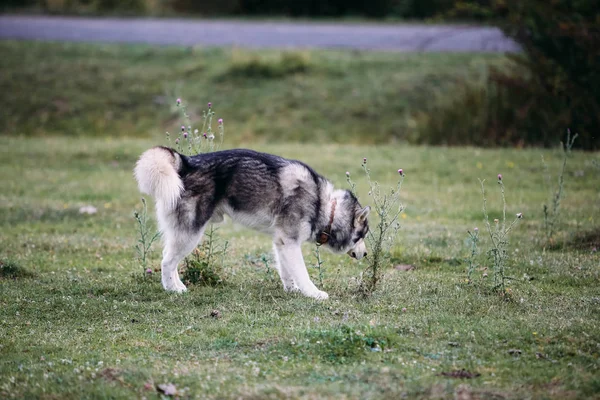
(301, 96)
(416, 9)
(554, 83)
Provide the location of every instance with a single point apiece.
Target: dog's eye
(355, 240)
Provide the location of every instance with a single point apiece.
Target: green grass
(81, 321)
(265, 96)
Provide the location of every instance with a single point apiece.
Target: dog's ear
(362, 214)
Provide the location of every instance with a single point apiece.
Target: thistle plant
(499, 234)
(189, 141)
(145, 239)
(551, 213)
(387, 207)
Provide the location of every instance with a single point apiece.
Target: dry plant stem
(319, 265)
(145, 240)
(550, 218)
(209, 237)
(265, 259)
(474, 250)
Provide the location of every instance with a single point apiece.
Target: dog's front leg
(288, 281)
(293, 271)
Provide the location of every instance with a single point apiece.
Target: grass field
(79, 318)
(265, 96)
(87, 324)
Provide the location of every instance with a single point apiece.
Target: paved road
(258, 34)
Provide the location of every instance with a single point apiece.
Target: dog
(284, 198)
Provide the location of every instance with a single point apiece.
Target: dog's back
(255, 189)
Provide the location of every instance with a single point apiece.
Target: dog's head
(360, 228)
(350, 227)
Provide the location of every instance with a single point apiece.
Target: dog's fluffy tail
(157, 175)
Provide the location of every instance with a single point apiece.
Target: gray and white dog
(284, 198)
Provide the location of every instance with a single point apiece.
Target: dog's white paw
(174, 285)
(291, 288)
(318, 295)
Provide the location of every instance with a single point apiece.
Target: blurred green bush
(553, 85)
(92, 7)
(561, 86)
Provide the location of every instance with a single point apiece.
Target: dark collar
(324, 236)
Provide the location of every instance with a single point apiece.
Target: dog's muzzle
(359, 251)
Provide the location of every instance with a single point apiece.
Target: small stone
(404, 267)
(88, 210)
(168, 389)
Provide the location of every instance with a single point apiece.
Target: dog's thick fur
(284, 198)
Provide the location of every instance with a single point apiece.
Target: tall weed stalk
(499, 235)
(474, 251)
(551, 213)
(145, 237)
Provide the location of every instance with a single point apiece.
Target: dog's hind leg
(291, 265)
(177, 246)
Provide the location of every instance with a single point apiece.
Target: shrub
(475, 114)
(561, 44)
(135, 7)
(552, 85)
(205, 265)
